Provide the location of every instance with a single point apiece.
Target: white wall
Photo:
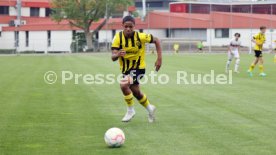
(105, 36)
(22, 41)
(25, 11)
(246, 37)
(60, 41)
(13, 11)
(42, 12)
(7, 40)
(37, 41)
(159, 33)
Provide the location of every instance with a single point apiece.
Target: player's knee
(238, 60)
(138, 94)
(124, 84)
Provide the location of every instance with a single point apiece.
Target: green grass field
(37, 118)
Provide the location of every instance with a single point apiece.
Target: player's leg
(230, 57)
(275, 55)
(237, 63)
(252, 66)
(261, 66)
(143, 100)
(128, 96)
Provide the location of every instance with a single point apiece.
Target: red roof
(131, 8)
(6, 19)
(156, 20)
(27, 3)
(213, 20)
(40, 24)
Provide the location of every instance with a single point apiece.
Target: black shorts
(258, 54)
(136, 74)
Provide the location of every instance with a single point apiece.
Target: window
(16, 39)
(74, 34)
(222, 33)
(34, 12)
(150, 4)
(113, 33)
(48, 12)
(49, 38)
(4, 10)
(27, 38)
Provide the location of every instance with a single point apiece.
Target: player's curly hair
(262, 27)
(237, 34)
(128, 19)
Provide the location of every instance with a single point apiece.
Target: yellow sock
(129, 100)
(261, 68)
(251, 67)
(144, 101)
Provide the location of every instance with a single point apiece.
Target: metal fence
(187, 39)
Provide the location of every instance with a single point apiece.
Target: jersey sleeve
(116, 42)
(256, 36)
(231, 42)
(146, 38)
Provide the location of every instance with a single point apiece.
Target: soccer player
(199, 46)
(233, 52)
(129, 48)
(259, 40)
(275, 52)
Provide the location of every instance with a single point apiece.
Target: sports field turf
(37, 118)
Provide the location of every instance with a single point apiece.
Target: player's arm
(229, 48)
(158, 62)
(254, 40)
(116, 53)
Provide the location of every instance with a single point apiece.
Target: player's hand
(121, 53)
(158, 64)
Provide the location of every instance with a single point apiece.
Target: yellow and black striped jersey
(135, 50)
(259, 38)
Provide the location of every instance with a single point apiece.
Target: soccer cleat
(237, 72)
(151, 117)
(262, 74)
(250, 73)
(128, 116)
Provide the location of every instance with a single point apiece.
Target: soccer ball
(114, 137)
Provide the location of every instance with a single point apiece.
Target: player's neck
(129, 36)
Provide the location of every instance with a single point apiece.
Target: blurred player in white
(233, 52)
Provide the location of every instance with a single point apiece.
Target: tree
(82, 13)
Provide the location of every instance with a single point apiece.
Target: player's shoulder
(118, 33)
(116, 37)
(257, 35)
(141, 34)
(232, 40)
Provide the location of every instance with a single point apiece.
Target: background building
(37, 32)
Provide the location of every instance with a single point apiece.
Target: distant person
(176, 48)
(275, 52)
(259, 40)
(233, 52)
(200, 46)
